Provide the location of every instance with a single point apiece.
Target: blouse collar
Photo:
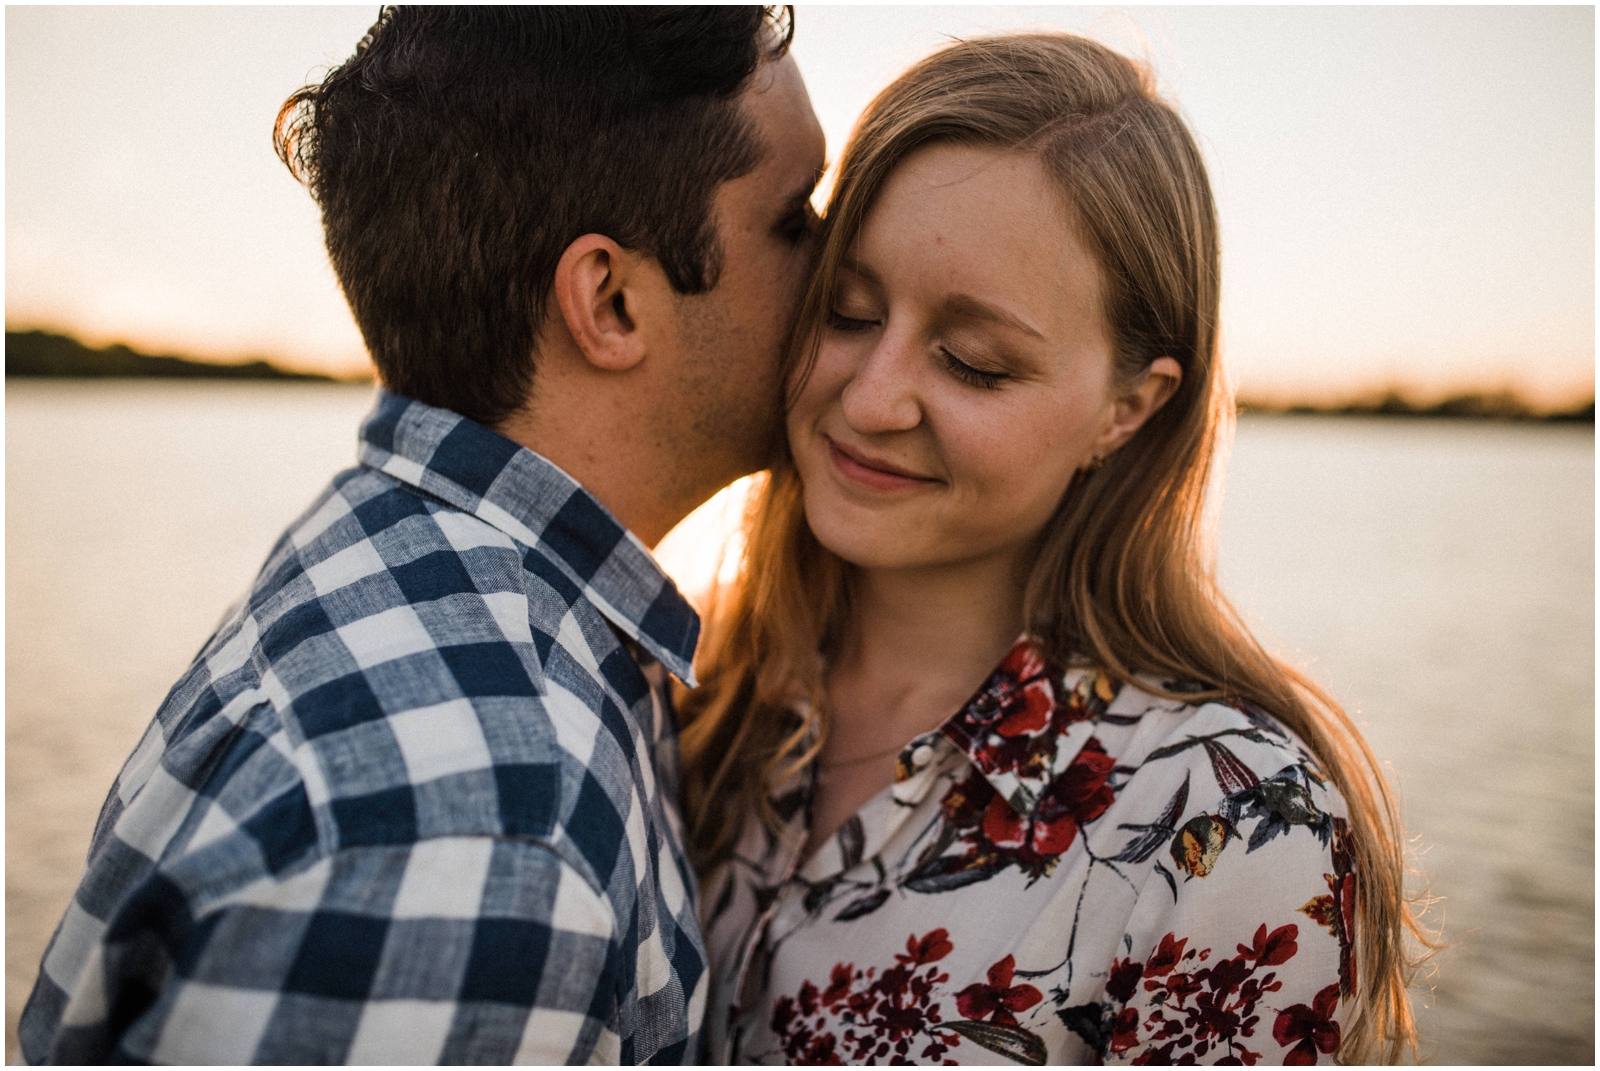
(1025, 724)
(1021, 730)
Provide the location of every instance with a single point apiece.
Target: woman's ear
(1139, 402)
(594, 288)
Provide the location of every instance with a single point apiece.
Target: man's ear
(595, 289)
(1139, 402)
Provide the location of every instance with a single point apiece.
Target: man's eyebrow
(967, 307)
(802, 191)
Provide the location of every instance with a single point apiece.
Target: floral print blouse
(1069, 870)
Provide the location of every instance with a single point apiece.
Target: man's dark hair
(459, 152)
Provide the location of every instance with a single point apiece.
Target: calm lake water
(1438, 577)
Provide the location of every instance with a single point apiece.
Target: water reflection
(1437, 577)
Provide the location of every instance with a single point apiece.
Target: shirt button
(922, 756)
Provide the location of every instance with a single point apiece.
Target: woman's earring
(1094, 464)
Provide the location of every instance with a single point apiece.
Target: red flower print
(1026, 756)
(1309, 1030)
(1038, 836)
(1081, 791)
(1011, 724)
(838, 985)
(783, 1013)
(999, 998)
(1269, 950)
(1202, 1008)
(930, 948)
(1036, 841)
(1342, 888)
(1168, 954)
(1004, 827)
(867, 1015)
(1027, 710)
(1123, 980)
(821, 1052)
(1017, 699)
(1125, 1030)
(1013, 721)
(1226, 974)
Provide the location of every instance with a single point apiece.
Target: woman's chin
(864, 542)
(861, 545)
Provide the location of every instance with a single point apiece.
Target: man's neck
(628, 476)
(617, 434)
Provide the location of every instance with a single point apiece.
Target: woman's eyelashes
(840, 322)
(965, 372)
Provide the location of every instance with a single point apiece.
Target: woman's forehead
(980, 228)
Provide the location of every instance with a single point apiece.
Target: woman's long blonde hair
(1124, 577)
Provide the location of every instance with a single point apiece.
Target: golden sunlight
(705, 548)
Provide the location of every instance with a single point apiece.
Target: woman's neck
(922, 640)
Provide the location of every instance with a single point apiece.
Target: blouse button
(922, 756)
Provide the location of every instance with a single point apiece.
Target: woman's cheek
(836, 365)
(821, 383)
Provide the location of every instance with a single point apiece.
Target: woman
(1129, 834)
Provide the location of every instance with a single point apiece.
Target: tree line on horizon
(45, 354)
(1470, 405)
(38, 354)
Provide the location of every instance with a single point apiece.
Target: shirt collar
(540, 506)
(1027, 722)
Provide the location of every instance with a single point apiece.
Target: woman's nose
(882, 395)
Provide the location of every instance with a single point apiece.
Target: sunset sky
(1407, 194)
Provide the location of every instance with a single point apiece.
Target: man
(416, 800)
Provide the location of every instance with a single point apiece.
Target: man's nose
(882, 396)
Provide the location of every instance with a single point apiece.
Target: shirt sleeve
(449, 950)
(1237, 948)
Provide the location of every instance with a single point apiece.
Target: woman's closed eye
(962, 370)
(965, 372)
(842, 322)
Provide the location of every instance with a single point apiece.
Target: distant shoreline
(1472, 405)
(45, 355)
(42, 354)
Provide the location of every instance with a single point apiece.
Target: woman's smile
(858, 467)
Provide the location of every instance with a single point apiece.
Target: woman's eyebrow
(855, 267)
(955, 306)
(967, 307)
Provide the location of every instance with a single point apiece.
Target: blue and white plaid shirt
(414, 802)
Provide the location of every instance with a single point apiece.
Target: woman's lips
(875, 474)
